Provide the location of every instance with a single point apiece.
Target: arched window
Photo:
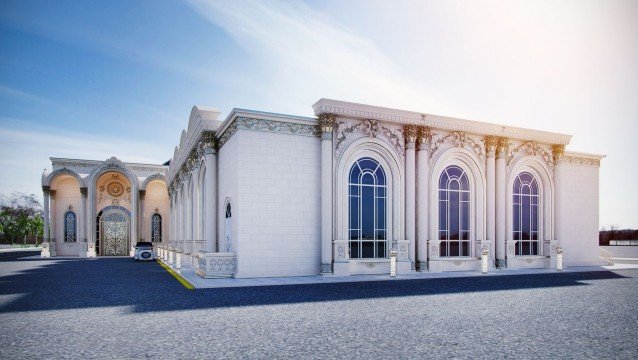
(156, 228)
(367, 198)
(526, 215)
(228, 225)
(454, 212)
(70, 227)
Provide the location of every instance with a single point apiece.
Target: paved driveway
(116, 308)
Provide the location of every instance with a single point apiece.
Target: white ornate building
(262, 194)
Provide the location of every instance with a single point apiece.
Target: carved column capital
(490, 145)
(84, 191)
(326, 122)
(142, 194)
(46, 189)
(502, 143)
(52, 194)
(209, 140)
(425, 136)
(558, 151)
(410, 133)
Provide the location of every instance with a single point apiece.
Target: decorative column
(558, 151)
(141, 217)
(46, 252)
(410, 134)
(52, 217)
(326, 124)
(45, 192)
(85, 250)
(194, 208)
(210, 200)
(501, 154)
(490, 152)
(423, 196)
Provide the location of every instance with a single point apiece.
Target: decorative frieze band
(369, 128)
(576, 160)
(241, 122)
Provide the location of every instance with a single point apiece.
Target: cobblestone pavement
(116, 308)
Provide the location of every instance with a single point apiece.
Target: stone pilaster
(210, 199)
(502, 145)
(490, 153)
(326, 125)
(410, 133)
(423, 196)
(558, 152)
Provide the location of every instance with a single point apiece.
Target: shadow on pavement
(146, 287)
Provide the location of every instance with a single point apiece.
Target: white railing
(606, 256)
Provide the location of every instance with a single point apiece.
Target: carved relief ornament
(458, 139)
(530, 148)
(368, 128)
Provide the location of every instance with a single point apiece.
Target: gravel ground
(116, 308)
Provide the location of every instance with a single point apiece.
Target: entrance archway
(113, 233)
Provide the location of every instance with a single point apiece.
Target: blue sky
(92, 79)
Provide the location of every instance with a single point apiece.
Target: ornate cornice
(436, 122)
(581, 161)
(256, 124)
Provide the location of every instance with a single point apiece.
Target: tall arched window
(526, 215)
(70, 227)
(156, 228)
(454, 212)
(367, 198)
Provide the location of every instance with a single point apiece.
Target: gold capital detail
(425, 135)
(558, 151)
(410, 133)
(502, 143)
(326, 122)
(490, 144)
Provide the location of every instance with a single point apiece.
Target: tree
(20, 217)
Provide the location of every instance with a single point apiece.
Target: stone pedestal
(46, 250)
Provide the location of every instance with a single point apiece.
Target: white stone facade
(263, 195)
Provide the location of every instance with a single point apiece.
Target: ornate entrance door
(115, 234)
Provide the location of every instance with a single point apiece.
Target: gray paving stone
(116, 308)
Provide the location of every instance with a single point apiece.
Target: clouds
(25, 146)
(309, 56)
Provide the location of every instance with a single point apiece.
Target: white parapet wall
(216, 265)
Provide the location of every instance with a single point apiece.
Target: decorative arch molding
(370, 129)
(156, 176)
(113, 165)
(457, 139)
(536, 166)
(46, 181)
(473, 167)
(393, 165)
(530, 148)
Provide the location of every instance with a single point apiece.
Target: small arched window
(367, 198)
(525, 203)
(454, 212)
(70, 227)
(228, 226)
(156, 228)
